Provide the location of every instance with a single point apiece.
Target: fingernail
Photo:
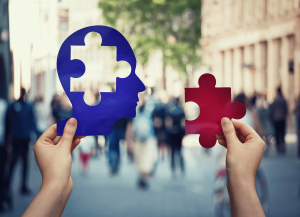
(72, 122)
(225, 121)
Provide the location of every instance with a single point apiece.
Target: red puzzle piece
(215, 103)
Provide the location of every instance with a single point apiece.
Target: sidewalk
(98, 194)
(283, 178)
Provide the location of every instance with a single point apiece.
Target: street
(99, 194)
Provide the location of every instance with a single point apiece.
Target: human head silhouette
(99, 119)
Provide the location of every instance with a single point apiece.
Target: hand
(244, 153)
(245, 150)
(53, 156)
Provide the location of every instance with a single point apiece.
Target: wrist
(56, 187)
(241, 182)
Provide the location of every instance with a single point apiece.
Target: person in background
(20, 126)
(297, 114)
(64, 109)
(42, 116)
(129, 140)
(86, 149)
(61, 107)
(55, 107)
(175, 127)
(278, 115)
(3, 152)
(98, 148)
(253, 99)
(114, 139)
(251, 118)
(53, 156)
(145, 142)
(158, 118)
(248, 119)
(263, 112)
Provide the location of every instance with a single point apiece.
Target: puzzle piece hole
(101, 69)
(192, 111)
(93, 60)
(91, 99)
(123, 69)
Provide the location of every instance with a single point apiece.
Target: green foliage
(173, 26)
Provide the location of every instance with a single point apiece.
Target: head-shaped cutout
(99, 119)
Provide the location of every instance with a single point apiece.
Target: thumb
(229, 131)
(69, 132)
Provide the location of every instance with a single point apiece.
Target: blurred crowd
(154, 135)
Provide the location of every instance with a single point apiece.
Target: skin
(53, 156)
(244, 153)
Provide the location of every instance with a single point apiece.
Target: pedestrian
(21, 127)
(248, 118)
(175, 127)
(251, 118)
(86, 149)
(42, 115)
(98, 148)
(145, 142)
(297, 114)
(114, 139)
(158, 117)
(278, 115)
(263, 112)
(64, 108)
(129, 140)
(55, 107)
(3, 152)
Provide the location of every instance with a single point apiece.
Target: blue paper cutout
(99, 119)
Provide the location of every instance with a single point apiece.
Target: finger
(75, 143)
(56, 140)
(229, 131)
(69, 132)
(240, 136)
(49, 134)
(245, 130)
(220, 136)
(222, 142)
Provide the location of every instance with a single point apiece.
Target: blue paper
(99, 119)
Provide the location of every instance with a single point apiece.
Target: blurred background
(147, 166)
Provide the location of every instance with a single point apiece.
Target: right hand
(245, 151)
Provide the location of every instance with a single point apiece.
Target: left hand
(53, 156)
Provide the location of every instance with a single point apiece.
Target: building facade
(33, 44)
(253, 45)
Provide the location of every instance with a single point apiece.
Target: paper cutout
(99, 119)
(215, 103)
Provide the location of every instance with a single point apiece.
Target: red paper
(215, 103)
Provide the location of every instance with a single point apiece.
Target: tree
(167, 25)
